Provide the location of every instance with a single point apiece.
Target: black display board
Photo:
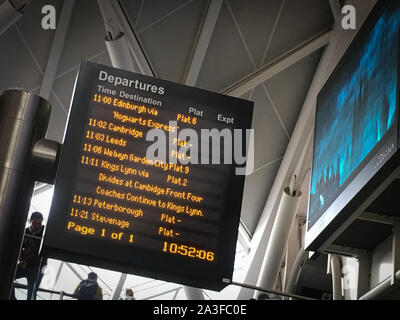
(115, 208)
(356, 128)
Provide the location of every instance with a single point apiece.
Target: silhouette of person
(30, 262)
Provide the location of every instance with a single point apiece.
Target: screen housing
(375, 170)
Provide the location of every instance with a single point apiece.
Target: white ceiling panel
(64, 87)
(103, 58)
(256, 190)
(226, 60)
(134, 7)
(289, 88)
(85, 36)
(256, 19)
(299, 22)
(38, 39)
(270, 139)
(170, 42)
(154, 10)
(18, 66)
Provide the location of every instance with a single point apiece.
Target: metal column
(116, 40)
(335, 268)
(23, 122)
(301, 258)
(278, 241)
(118, 289)
(193, 293)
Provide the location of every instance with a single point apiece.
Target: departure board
(148, 183)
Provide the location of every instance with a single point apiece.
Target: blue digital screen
(355, 112)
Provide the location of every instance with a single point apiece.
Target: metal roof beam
(118, 289)
(57, 49)
(203, 42)
(336, 8)
(71, 267)
(110, 19)
(279, 65)
(136, 49)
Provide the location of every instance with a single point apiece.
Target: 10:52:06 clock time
(188, 251)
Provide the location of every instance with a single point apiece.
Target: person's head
(129, 292)
(92, 276)
(263, 296)
(36, 220)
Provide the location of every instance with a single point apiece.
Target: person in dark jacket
(30, 262)
(89, 289)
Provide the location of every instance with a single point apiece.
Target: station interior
(277, 54)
